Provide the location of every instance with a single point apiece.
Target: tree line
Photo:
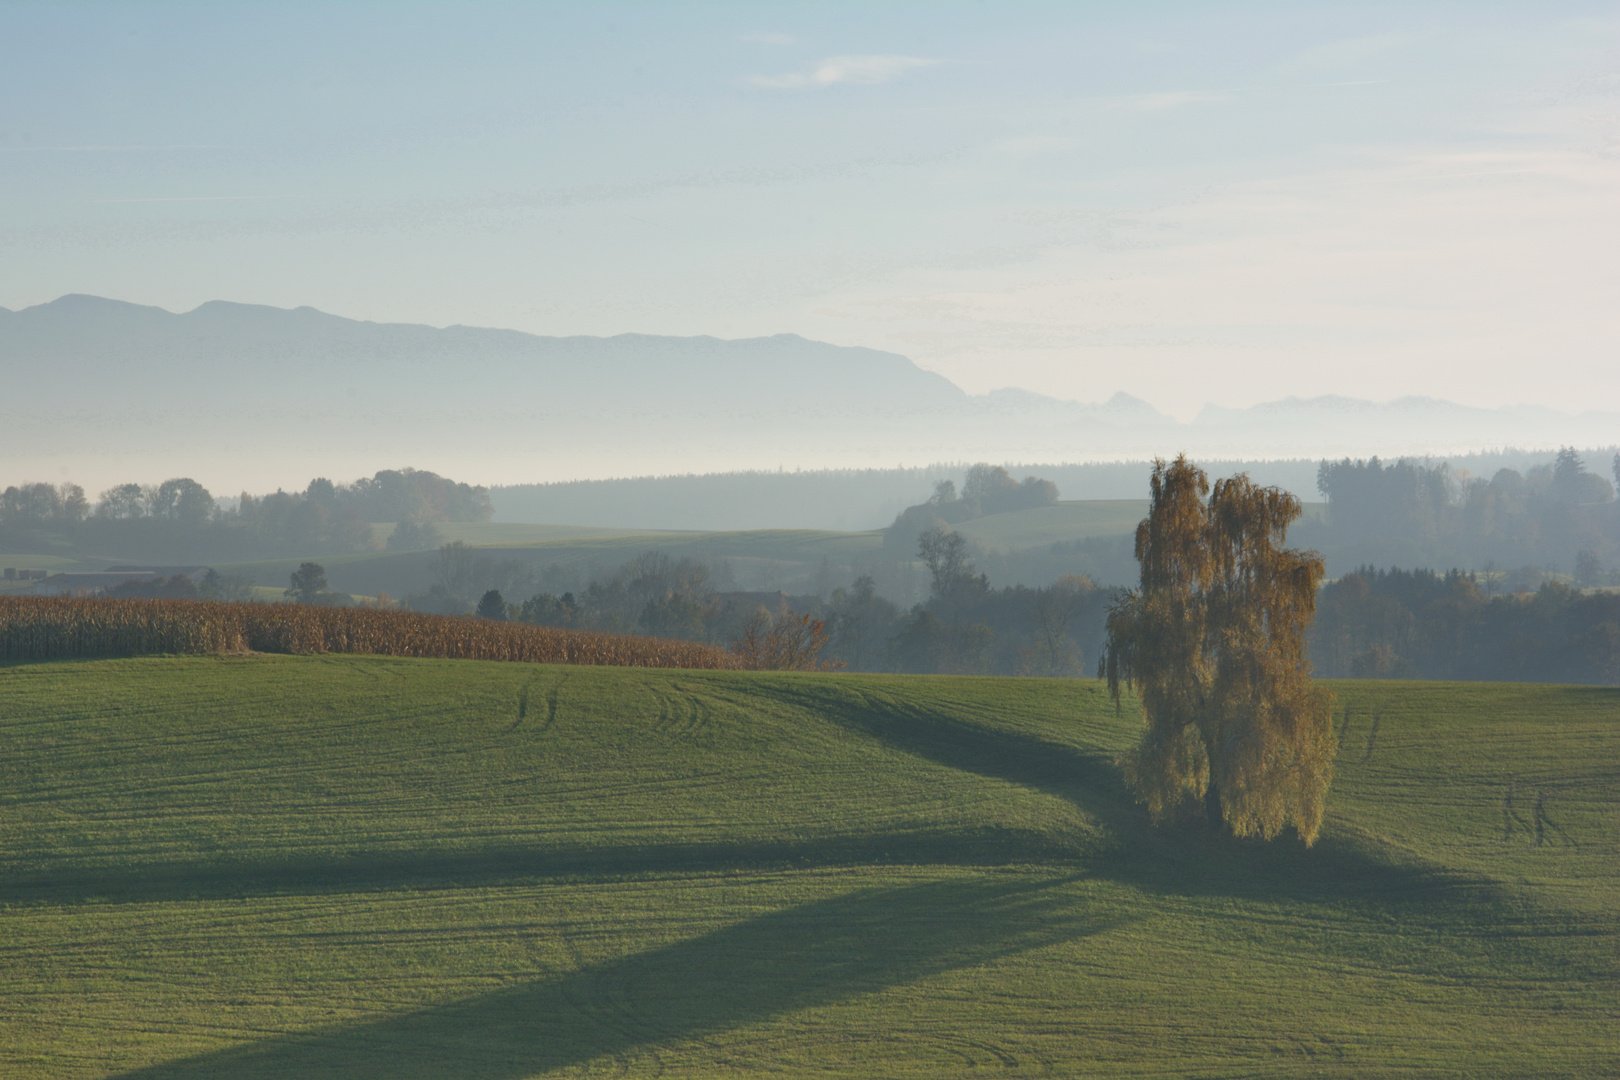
(1421, 624)
(182, 515)
(963, 627)
(987, 489)
(1559, 517)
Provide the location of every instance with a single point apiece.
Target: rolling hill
(361, 867)
(762, 558)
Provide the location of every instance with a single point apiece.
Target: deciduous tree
(183, 500)
(786, 642)
(950, 567)
(307, 583)
(1213, 641)
(121, 501)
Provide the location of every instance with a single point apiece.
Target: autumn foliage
(1213, 641)
(53, 628)
(787, 642)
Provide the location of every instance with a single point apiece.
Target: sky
(1189, 202)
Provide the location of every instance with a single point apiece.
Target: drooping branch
(1213, 642)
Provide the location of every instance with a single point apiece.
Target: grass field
(359, 867)
(1062, 522)
(1068, 521)
(760, 558)
(505, 533)
(755, 556)
(759, 555)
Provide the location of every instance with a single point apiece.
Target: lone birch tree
(1213, 642)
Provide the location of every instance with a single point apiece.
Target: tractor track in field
(683, 713)
(526, 703)
(1541, 829)
(1372, 736)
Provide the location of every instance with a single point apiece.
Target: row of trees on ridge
(325, 518)
(1413, 514)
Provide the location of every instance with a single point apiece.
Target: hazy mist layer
(1191, 203)
(241, 396)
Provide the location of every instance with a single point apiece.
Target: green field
(359, 867)
(1069, 521)
(506, 534)
(1059, 523)
(759, 558)
(767, 554)
(755, 556)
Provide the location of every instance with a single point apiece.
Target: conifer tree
(492, 606)
(1213, 641)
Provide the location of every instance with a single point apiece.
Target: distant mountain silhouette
(101, 388)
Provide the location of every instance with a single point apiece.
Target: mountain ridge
(97, 386)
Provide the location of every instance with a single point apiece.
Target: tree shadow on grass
(742, 974)
(1346, 880)
(851, 945)
(1167, 861)
(517, 864)
(1193, 861)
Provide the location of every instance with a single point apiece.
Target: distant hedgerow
(56, 628)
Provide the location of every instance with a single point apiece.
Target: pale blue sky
(1188, 202)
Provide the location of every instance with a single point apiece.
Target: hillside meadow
(346, 866)
(756, 556)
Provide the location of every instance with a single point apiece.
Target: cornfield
(57, 628)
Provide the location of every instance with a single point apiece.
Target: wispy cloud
(1351, 53)
(1171, 100)
(866, 70)
(761, 37)
(111, 149)
(1034, 144)
(207, 198)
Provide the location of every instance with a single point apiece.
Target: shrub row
(54, 628)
